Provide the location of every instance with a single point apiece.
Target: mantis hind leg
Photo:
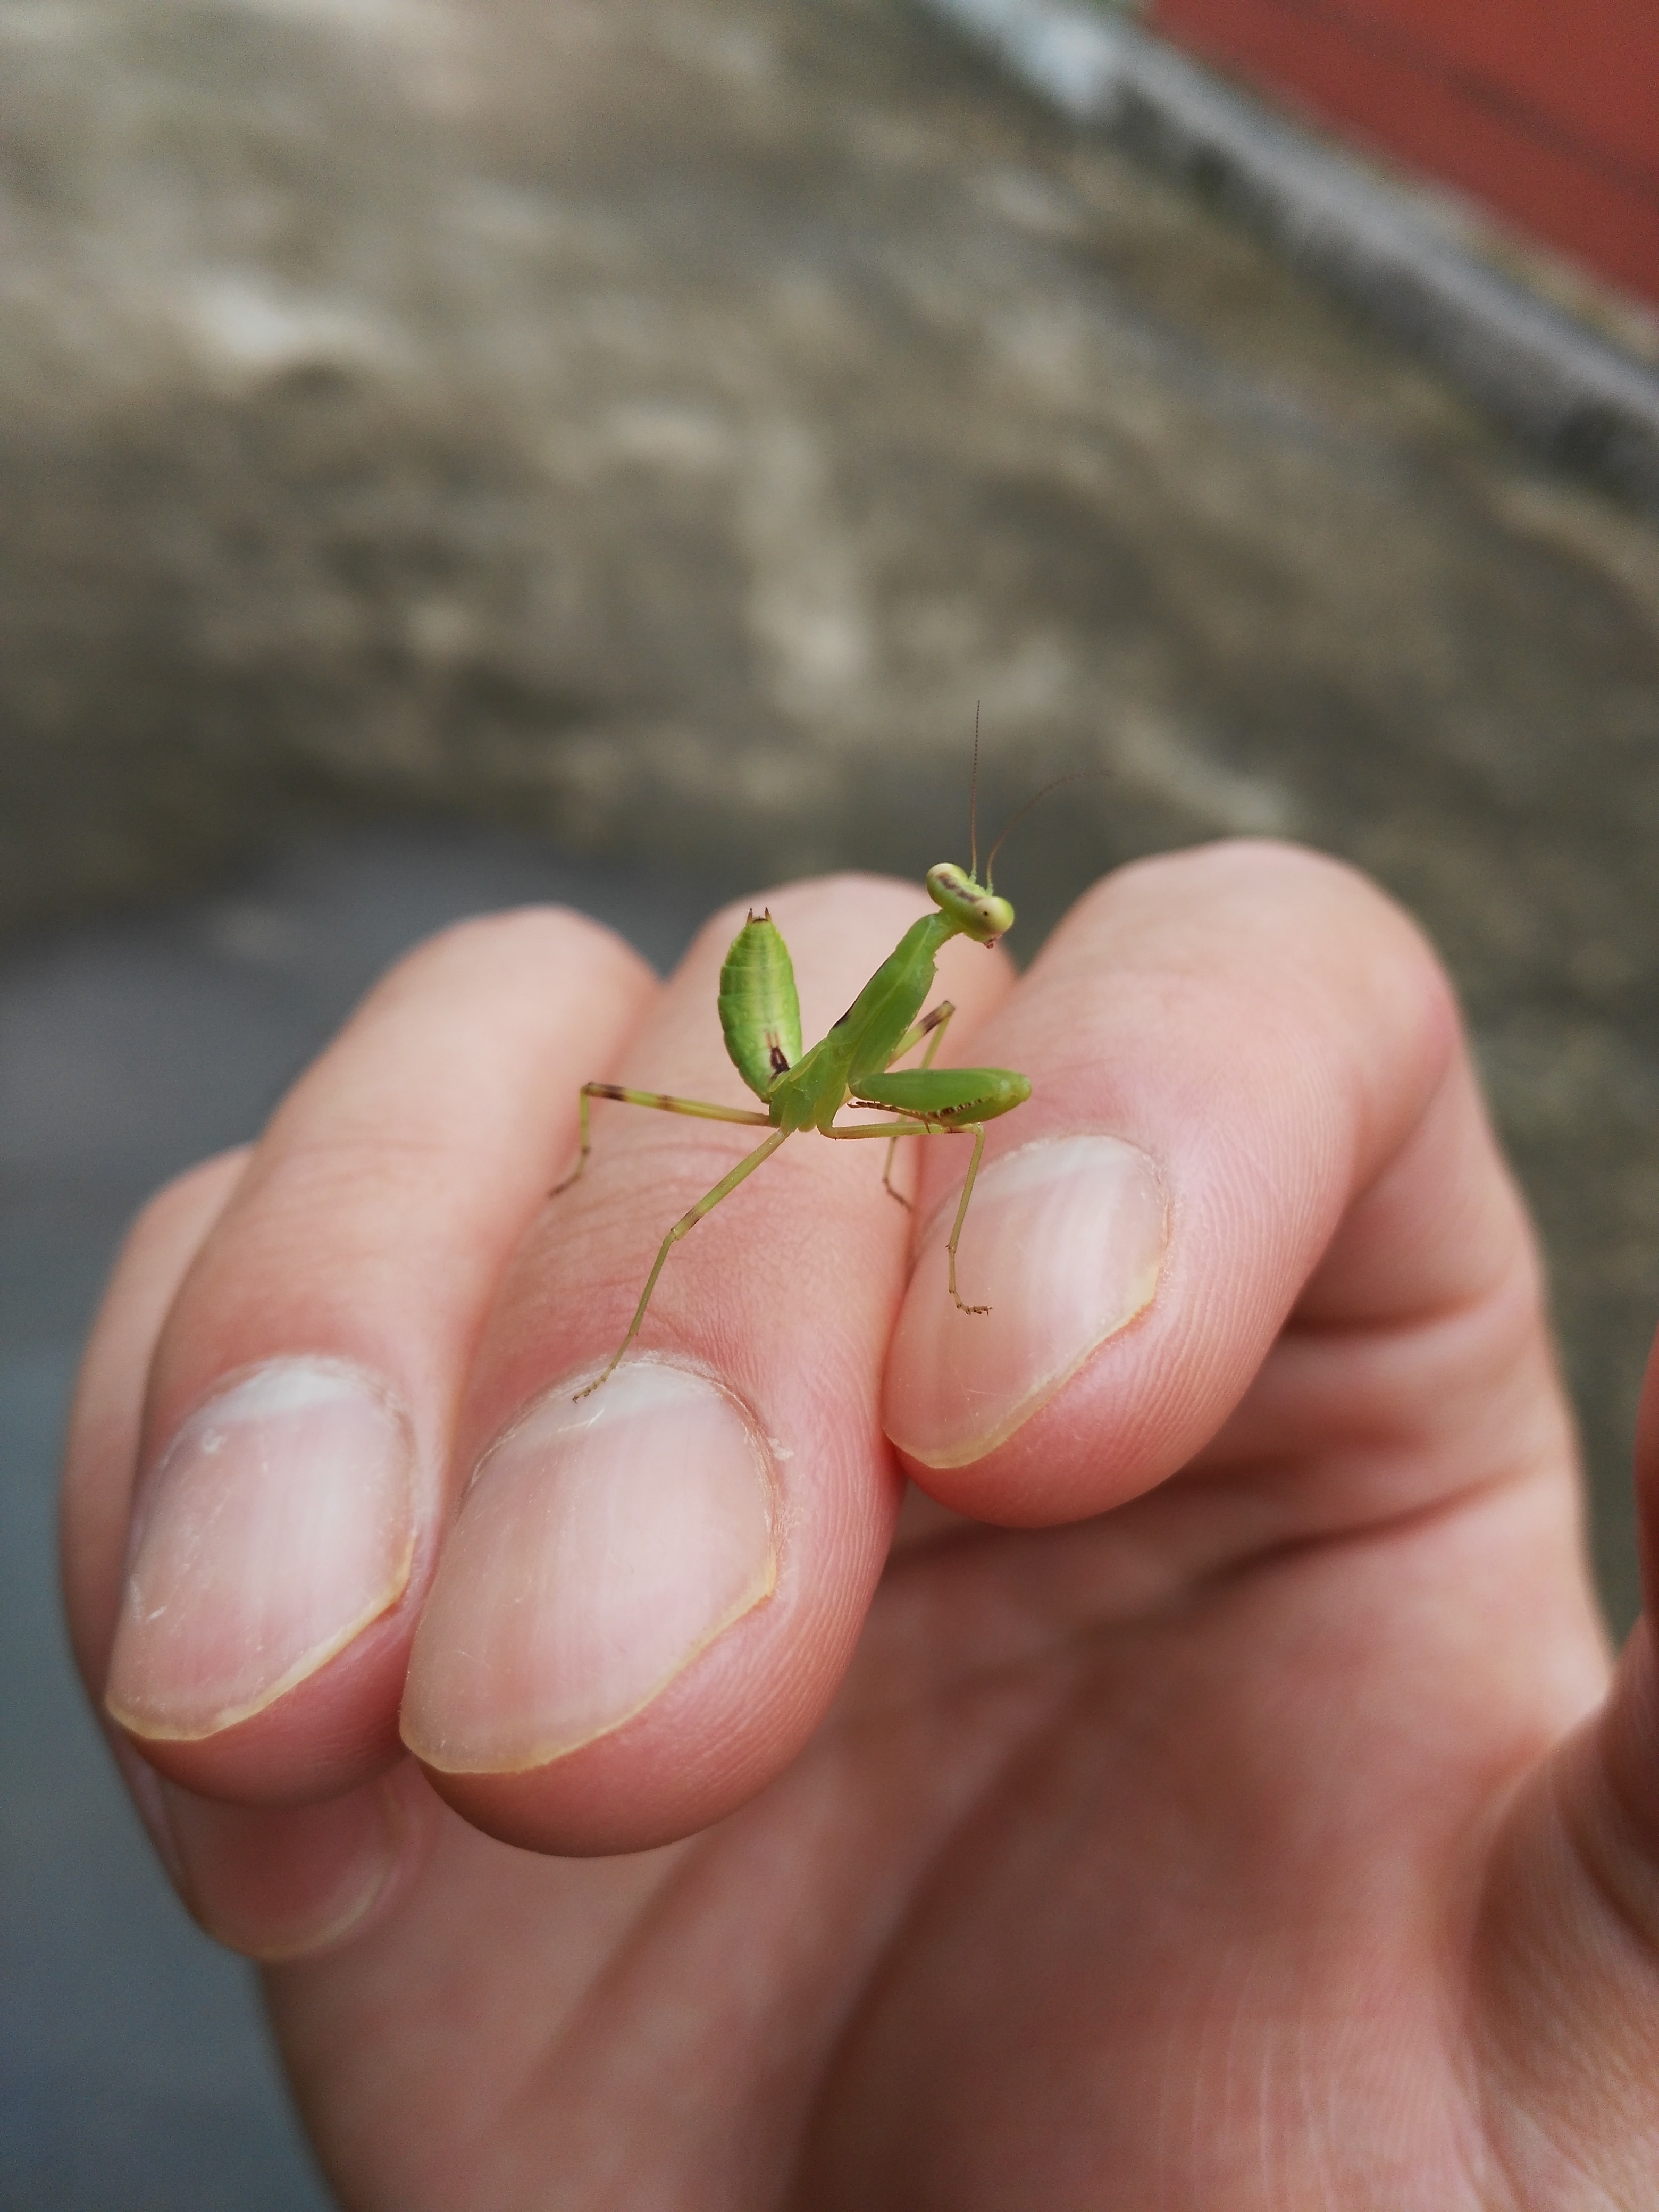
(921, 1128)
(706, 1203)
(660, 1101)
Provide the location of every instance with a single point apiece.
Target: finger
(1249, 1101)
(1566, 1954)
(100, 1455)
(649, 1595)
(271, 1884)
(296, 1437)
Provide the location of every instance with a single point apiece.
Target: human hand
(1211, 1796)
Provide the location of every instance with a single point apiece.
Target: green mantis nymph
(852, 1066)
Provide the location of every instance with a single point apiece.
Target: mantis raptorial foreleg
(937, 1021)
(662, 1102)
(706, 1203)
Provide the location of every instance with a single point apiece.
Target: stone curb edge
(1572, 395)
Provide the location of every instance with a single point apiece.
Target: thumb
(1567, 1947)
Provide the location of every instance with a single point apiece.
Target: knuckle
(532, 938)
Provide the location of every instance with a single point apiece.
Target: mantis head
(973, 906)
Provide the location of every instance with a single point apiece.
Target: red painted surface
(1549, 112)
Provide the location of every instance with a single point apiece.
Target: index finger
(1252, 1098)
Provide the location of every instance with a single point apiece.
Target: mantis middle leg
(893, 1132)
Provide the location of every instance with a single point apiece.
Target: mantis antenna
(973, 802)
(1077, 775)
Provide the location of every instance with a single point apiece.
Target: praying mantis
(852, 1066)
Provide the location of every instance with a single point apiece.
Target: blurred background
(460, 451)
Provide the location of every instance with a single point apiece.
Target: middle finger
(650, 1593)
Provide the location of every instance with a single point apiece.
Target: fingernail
(279, 1524)
(281, 1882)
(600, 1549)
(1064, 1242)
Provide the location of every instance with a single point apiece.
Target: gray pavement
(135, 2074)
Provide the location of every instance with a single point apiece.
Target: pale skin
(1215, 1794)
